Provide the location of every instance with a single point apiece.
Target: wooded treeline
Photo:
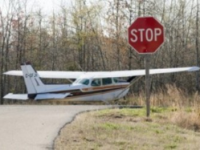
(92, 35)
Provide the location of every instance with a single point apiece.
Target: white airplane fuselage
(81, 92)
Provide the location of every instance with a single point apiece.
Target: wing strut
(131, 83)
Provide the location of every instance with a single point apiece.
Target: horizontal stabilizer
(16, 96)
(51, 96)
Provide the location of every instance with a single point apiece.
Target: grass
(121, 129)
(174, 125)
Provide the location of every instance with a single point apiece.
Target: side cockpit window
(85, 81)
(115, 80)
(107, 81)
(96, 82)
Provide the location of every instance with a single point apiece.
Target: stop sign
(146, 35)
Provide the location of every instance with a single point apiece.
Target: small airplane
(88, 86)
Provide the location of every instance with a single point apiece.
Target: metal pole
(147, 84)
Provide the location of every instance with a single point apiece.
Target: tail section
(32, 81)
(35, 87)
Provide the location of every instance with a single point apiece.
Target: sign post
(147, 84)
(146, 35)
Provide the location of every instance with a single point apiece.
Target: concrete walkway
(35, 127)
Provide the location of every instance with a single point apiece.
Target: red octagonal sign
(146, 35)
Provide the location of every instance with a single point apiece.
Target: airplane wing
(50, 74)
(129, 73)
(102, 74)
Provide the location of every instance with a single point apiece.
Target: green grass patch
(122, 112)
(160, 109)
(116, 126)
(170, 146)
(110, 126)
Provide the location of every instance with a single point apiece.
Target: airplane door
(96, 86)
(107, 89)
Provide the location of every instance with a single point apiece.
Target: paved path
(35, 127)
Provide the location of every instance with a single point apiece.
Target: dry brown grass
(170, 97)
(186, 120)
(186, 107)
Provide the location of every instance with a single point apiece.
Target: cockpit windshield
(83, 81)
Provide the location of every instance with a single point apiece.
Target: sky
(47, 6)
(50, 5)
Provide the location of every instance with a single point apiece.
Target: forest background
(92, 36)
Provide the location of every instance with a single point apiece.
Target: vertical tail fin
(32, 81)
